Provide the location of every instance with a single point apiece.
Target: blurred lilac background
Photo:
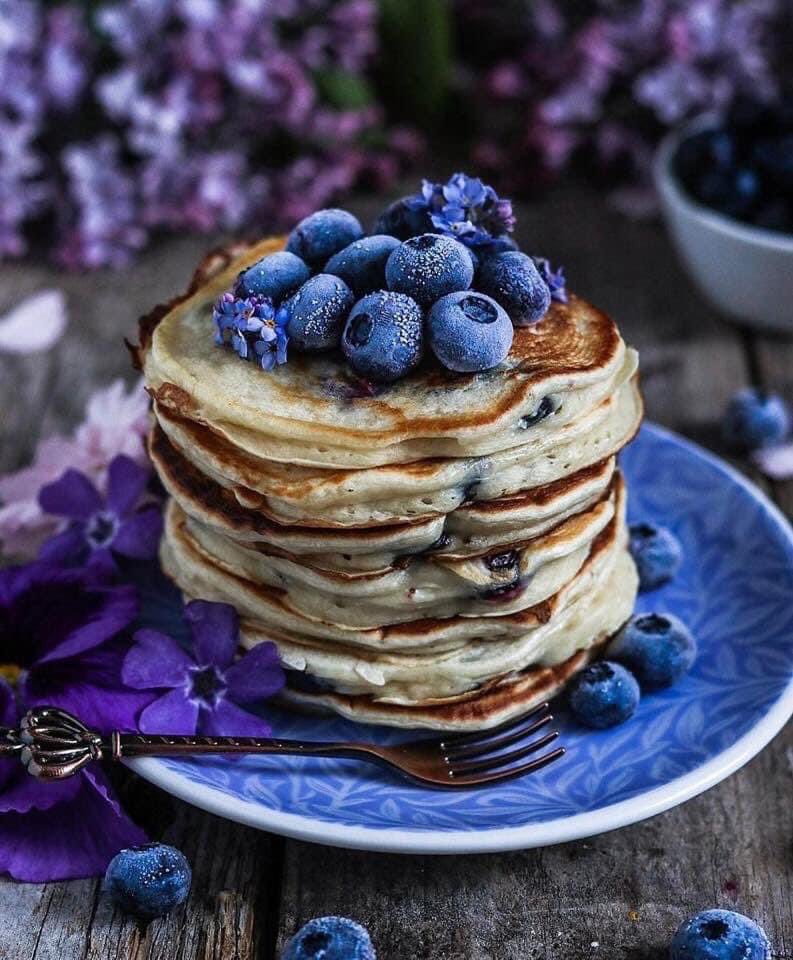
(122, 120)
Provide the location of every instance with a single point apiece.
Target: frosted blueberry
(148, 881)
(513, 280)
(755, 419)
(317, 237)
(469, 332)
(428, 267)
(274, 276)
(657, 648)
(330, 938)
(656, 552)
(719, 935)
(384, 336)
(361, 265)
(603, 695)
(317, 312)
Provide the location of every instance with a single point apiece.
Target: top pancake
(314, 401)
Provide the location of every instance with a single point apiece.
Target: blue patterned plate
(734, 591)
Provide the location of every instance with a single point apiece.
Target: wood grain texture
(616, 896)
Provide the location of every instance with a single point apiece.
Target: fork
(53, 744)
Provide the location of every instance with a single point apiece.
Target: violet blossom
(60, 642)
(60, 635)
(203, 690)
(116, 421)
(100, 526)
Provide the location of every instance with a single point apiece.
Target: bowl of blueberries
(726, 189)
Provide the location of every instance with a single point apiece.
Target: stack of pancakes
(442, 552)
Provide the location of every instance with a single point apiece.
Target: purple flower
(253, 328)
(57, 831)
(101, 526)
(465, 208)
(208, 692)
(554, 278)
(59, 635)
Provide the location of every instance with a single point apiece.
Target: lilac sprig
(600, 89)
(555, 279)
(253, 328)
(465, 208)
(122, 119)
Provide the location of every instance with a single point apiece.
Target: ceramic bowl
(746, 271)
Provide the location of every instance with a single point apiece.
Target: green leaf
(347, 91)
(415, 56)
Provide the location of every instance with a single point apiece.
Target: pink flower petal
(775, 462)
(34, 324)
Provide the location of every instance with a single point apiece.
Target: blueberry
(330, 938)
(317, 312)
(754, 419)
(502, 244)
(384, 336)
(656, 552)
(403, 221)
(429, 266)
(657, 648)
(513, 280)
(361, 265)
(603, 695)
(719, 935)
(275, 276)
(317, 237)
(148, 881)
(469, 332)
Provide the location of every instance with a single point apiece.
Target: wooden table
(616, 896)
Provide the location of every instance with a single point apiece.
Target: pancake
(443, 551)
(308, 402)
(471, 530)
(368, 497)
(591, 605)
(199, 574)
(488, 707)
(419, 586)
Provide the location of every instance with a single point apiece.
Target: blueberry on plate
(513, 280)
(656, 647)
(330, 938)
(428, 267)
(274, 276)
(755, 419)
(603, 695)
(317, 312)
(469, 332)
(317, 237)
(384, 336)
(148, 881)
(719, 935)
(403, 220)
(361, 265)
(656, 552)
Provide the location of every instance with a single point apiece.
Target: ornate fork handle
(158, 745)
(53, 744)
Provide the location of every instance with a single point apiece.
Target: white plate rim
(561, 830)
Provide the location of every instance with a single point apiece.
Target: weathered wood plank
(618, 895)
(773, 360)
(229, 916)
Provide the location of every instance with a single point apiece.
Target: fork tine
(502, 759)
(511, 773)
(459, 739)
(490, 746)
